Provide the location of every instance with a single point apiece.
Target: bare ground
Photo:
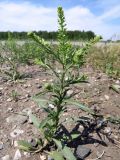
(96, 93)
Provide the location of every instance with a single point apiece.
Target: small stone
(115, 137)
(30, 120)
(27, 95)
(51, 80)
(107, 130)
(17, 155)
(16, 133)
(81, 128)
(1, 145)
(26, 154)
(27, 111)
(17, 119)
(10, 109)
(117, 82)
(107, 97)
(69, 93)
(99, 77)
(9, 99)
(25, 86)
(49, 158)
(51, 106)
(29, 85)
(96, 144)
(82, 152)
(25, 100)
(43, 157)
(37, 110)
(7, 157)
(39, 86)
(101, 99)
(15, 143)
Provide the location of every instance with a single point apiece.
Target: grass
(106, 58)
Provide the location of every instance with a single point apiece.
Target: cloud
(25, 16)
(112, 13)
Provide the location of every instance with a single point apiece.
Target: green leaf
(58, 143)
(35, 121)
(24, 145)
(75, 135)
(81, 106)
(68, 153)
(43, 123)
(65, 150)
(56, 155)
(41, 101)
(116, 88)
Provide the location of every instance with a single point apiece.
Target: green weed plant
(54, 99)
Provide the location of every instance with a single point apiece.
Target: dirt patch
(96, 93)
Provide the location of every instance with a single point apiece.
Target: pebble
(17, 119)
(39, 86)
(16, 133)
(9, 100)
(10, 109)
(1, 145)
(17, 155)
(82, 152)
(27, 95)
(26, 154)
(25, 86)
(69, 92)
(43, 157)
(49, 158)
(30, 120)
(27, 111)
(81, 128)
(117, 82)
(7, 157)
(107, 130)
(51, 106)
(51, 80)
(107, 97)
(15, 143)
(44, 80)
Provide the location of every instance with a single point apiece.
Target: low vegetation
(106, 57)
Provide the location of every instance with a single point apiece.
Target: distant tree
(72, 35)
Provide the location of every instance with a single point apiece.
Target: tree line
(72, 35)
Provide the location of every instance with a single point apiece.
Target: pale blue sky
(100, 16)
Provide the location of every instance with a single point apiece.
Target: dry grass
(106, 58)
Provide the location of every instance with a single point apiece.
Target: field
(15, 100)
(59, 101)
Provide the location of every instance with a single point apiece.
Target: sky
(99, 16)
